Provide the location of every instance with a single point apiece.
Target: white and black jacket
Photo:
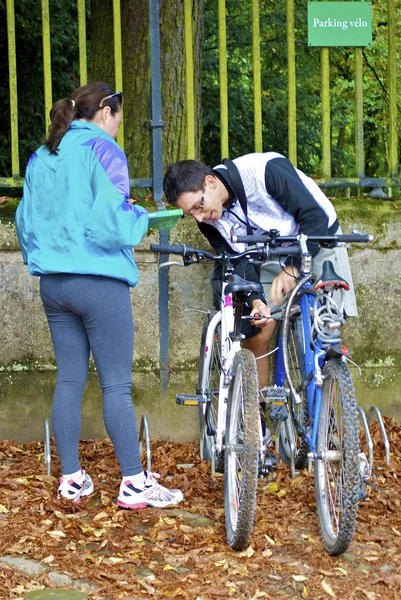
(279, 196)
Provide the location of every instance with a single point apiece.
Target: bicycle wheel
(241, 450)
(288, 432)
(337, 478)
(209, 387)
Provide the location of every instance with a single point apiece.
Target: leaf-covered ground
(170, 554)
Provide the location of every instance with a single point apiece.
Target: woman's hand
(283, 284)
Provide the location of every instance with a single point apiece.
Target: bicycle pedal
(187, 400)
(269, 464)
(273, 393)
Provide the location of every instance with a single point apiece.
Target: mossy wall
(26, 355)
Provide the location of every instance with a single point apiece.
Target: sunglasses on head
(111, 96)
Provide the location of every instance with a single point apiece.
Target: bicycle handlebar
(267, 239)
(188, 251)
(182, 250)
(271, 248)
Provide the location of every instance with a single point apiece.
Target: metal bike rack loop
(144, 429)
(367, 433)
(374, 413)
(47, 455)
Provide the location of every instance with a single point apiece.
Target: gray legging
(90, 313)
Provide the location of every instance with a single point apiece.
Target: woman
(76, 228)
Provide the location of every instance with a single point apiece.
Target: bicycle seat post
(306, 256)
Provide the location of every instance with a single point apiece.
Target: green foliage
(30, 79)
(274, 72)
(273, 52)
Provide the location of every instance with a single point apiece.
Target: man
(278, 196)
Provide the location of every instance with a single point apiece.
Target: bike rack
(144, 429)
(47, 455)
(374, 413)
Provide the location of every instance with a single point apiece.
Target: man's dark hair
(184, 176)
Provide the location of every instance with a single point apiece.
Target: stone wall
(27, 370)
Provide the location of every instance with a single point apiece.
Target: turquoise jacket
(74, 216)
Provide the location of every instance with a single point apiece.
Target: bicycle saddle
(330, 277)
(238, 285)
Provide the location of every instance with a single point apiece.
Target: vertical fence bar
(359, 138)
(189, 68)
(156, 104)
(257, 87)
(12, 76)
(392, 90)
(292, 90)
(47, 69)
(325, 92)
(118, 61)
(157, 181)
(83, 69)
(223, 78)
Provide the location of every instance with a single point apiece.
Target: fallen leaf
(248, 552)
(116, 560)
(49, 559)
(101, 515)
(56, 534)
(99, 532)
(327, 588)
(148, 588)
(299, 578)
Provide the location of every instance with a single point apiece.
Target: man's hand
(283, 284)
(260, 308)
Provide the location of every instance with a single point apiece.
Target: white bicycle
(232, 438)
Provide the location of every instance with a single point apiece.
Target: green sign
(339, 23)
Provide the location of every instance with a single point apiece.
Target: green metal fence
(15, 180)
(359, 180)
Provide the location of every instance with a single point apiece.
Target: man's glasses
(111, 96)
(200, 205)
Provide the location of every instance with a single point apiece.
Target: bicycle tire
(337, 482)
(241, 450)
(212, 391)
(296, 358)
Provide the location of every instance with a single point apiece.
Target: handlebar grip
(166, 249)
(283, 251)
(250, 239)
(354, 237)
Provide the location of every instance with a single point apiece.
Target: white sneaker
(74, 489)
(147, 493)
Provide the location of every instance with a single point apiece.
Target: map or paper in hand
(164, 219)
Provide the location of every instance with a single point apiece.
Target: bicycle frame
(228, 348)
(313, 363)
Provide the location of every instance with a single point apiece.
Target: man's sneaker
(148, 493)
(74, 489)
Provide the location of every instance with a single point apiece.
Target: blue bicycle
(312, 401)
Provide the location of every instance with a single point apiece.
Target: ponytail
(61, 115)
